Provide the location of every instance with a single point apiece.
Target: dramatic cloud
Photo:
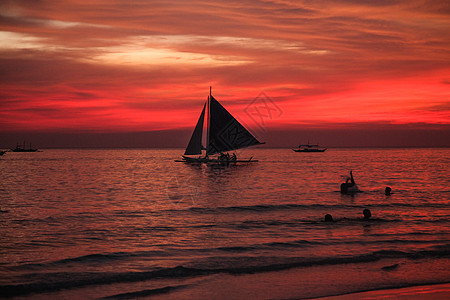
(116, 66)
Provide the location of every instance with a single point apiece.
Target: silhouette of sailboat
(309, 148)
(23, 148)
(223, 133)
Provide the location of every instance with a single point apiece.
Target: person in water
(328, 218)
(387, 191)
(347, 186)
(367, 214)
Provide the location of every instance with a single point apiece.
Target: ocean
(132, 223)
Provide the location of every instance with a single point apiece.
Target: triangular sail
(195, 144)
(225, 132)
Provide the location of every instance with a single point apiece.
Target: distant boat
(23, 148)
(223, 133)
(309, 148)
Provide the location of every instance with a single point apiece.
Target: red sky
(103, 66)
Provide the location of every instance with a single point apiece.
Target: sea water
(132, 223)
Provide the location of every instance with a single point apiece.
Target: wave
(260, 208)
(92, 259)
(145, 293)
(298, 244)
(320, 208)
(53, 281)
(107, 258)
(292, 206)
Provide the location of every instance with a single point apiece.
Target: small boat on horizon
(309, 148)
(223, 133)
(23, 148)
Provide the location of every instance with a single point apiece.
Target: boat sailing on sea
(309, 148)
(23, 148)
(223, 134)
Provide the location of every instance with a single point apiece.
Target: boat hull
(309, 150)
(214, 161)
(24, 150)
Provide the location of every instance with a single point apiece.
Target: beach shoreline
(346, 281)
(436, 291)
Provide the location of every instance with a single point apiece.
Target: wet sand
(435, 292)
(316, 281)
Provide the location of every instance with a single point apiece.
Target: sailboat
(309, 148)
(23, 148)
(223, 133)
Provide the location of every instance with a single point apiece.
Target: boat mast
(208, 121)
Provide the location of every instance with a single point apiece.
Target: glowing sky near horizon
(144, 65)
